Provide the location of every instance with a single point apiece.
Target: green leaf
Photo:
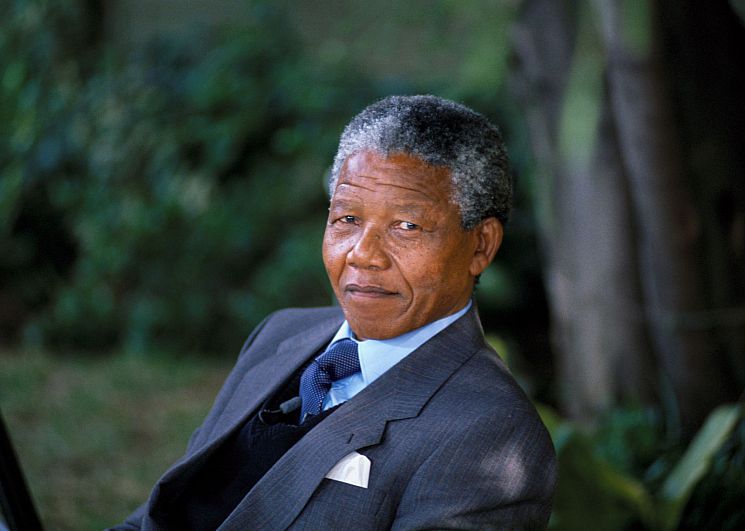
(592, 494)
(695, 463)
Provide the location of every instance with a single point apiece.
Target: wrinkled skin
(394, 248)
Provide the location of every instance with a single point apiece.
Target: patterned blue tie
(338, 362)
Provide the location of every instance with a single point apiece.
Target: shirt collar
(379, 355)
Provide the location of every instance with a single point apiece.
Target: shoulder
(293, 320)
(479, 387)
(488, 460)
(289, 322)
(485, 379)
(488, 396)
(488, 413)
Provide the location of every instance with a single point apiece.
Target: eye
(407, 225)
(348, 219)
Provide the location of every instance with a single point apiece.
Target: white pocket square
(353, 468)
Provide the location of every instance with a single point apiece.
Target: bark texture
(628, 244)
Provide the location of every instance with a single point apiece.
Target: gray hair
(439, 132)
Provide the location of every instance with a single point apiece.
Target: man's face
(394, 248)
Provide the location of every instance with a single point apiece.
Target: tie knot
(339, 361)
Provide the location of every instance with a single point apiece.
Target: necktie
(338, 362)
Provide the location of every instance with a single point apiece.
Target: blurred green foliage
(627, 474)
(163, 201)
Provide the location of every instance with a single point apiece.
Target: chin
(365, 330)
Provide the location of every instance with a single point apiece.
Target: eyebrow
(343, 204)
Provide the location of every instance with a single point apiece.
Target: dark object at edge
(18, 509)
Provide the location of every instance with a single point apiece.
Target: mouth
(368, 291)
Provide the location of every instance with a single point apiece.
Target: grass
(94, 434)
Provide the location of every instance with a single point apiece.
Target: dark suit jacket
(453, 441)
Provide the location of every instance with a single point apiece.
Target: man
(391, 411)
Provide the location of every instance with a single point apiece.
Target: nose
(369, 251)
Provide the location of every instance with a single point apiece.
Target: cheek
(438, 273)
(334, 255)
(423, 271)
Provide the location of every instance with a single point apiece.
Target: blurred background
(162, 169)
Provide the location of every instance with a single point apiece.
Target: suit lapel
(253, 390)
(259, 383)
(278, 498)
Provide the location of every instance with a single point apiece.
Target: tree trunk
(583, 205)
(669, 229)
(633, 259)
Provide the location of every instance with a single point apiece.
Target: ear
(488, 234)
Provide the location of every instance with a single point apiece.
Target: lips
(368, 291)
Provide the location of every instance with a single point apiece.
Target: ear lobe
(489, 233)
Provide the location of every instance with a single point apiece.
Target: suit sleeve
(484, 477)
(134, 520)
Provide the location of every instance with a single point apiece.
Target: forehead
(398, 174)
